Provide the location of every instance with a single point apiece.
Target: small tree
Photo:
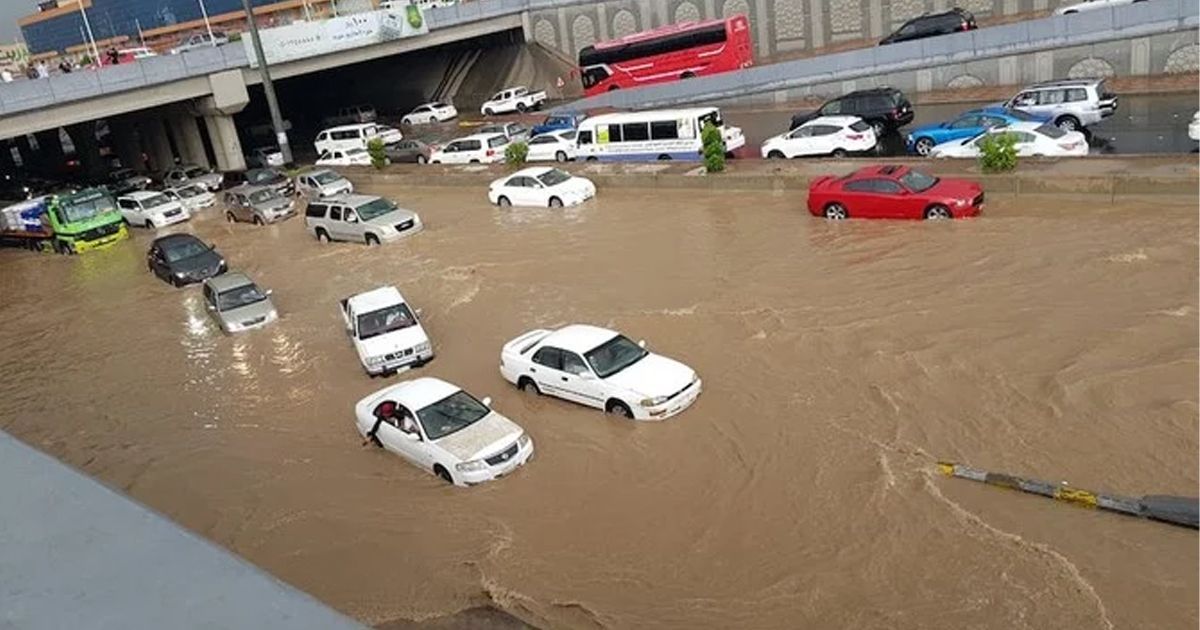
(714, 148)
(516, 153)
(377, 152)
(998, 152)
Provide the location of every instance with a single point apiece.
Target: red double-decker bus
(670, 53)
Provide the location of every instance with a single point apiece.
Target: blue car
(966, 125)
(557, 122)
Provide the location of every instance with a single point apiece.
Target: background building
(13, 57)
(58, 25)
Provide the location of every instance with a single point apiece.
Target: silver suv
(1071, 104)
(360, 218)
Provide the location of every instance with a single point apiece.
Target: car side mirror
(487, 401)
(351, 219)
(642, 344)
(412, 437)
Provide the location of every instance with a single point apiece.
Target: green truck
(69, 223)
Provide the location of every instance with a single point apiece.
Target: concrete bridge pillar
(7, 164)
(223, 135)
(187, 138)
(125, 142)
(158, 145)
(50, 157)
(87, 149)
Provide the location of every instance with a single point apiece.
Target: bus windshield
(84, 206)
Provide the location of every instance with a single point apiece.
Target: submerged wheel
(555, 202)
(839, 153)
(258, 220)
(421, 159)
(560, 156)
(937, 212)
(618, 408)
(443, 473)
(149, 224)
(836, 212)
(923, 146)
(322, 236)
(371, 239)
(775, 155)
(1068, 123)
(503, 202)
(527, 385)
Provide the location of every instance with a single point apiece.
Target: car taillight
(965, 26)
(1069, 145)
(896, 113)
(854, 136)
(490, 153)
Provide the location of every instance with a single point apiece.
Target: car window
(1051, 131)
(887, 187)
(498, 141)
(335, 213)
(515, 182)
(349, 216)
(991, 121)
(860, 185)
(1051, 97)
(315, 210)
(570, 135)
(1023, 137)
(635, 131)
(127, 204)
(859, 126)
(824, 130)
(909, 28)
(832, 107)
(966, 122)
(1075, 95)
(549, 357)
(542, 140)
(585, 137)
(573, 364)
(1025, 99)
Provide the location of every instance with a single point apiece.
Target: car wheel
(371, 239)
(230, 218)
(440, 471)
(688, 75)
(937, 212)
(839, 153)
(560, 156)
(322, 236)
(613, 88)
(555, 202)
(1067, 123)
(474, 161)
(775, 155)
(923, 146)
(503, 202)
(489, 112)
(421, 159)
(618, 408)
(836, 212)
(664, 158)
(590, 158)
(879, 129)
(149, 224)
(521, 107)
(527, 385)
(258, 220)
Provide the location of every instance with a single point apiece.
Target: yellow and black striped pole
(1184, 511)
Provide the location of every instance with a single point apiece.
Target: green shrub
(377, 152)
(998, 152)
(516, 153)
(714, 148)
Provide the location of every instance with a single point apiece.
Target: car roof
(1064, 83)
(844, 121)
(1021, 126)
(138, 195)
(886, 89)
(533, 171)
(480, 136)
(579, 337)
(353, 200)
(418, 393)
(228, 281)
(376, 298)
(890, 171)
(312, 172)
(349, 127)
(173, 239)
(650, 114)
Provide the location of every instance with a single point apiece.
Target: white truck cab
(514, 99)
(386, 333)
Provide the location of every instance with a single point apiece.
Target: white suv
(1072, 104)
(151, 210)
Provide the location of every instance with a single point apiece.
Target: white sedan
(430, 113)
(348, 157)
(557, 146)
(1091, 5)
(541, 186)
(827, 135)
(1033, 140)
(599, 368)
(442, 429)
(1194, 127)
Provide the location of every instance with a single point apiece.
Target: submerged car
(599, 368)
(191, 196)
(443, 430)
(191, 174)
(320, 183)
(182, 259)
(893, 192)
(259, 205)
(272, 177)
(360, 218)
(541, 186)
(1029, 140)
(237, 304)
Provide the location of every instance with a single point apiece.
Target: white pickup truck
(386, 333)
(514, 99)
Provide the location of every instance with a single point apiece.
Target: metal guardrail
(1122, 22)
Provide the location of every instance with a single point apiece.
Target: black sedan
(182, 259)
(409, 150)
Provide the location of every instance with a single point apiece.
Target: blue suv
(557, 122)
(966, 125)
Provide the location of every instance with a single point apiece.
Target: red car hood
(955, 189)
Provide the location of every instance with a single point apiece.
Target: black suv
(885, 109)
(951, 21)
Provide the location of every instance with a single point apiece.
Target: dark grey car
(182, 259)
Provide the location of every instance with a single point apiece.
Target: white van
(345, 137)
(667, 134)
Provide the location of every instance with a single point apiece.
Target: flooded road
(839, 361)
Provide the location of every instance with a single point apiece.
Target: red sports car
(893, 192)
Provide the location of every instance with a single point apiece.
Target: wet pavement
(1056, 340)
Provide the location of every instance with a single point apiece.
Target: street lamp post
(207, 24)
(92, 38)
(285, 148)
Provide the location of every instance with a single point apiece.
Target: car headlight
(180, 275)
(373, 361)
(961, 202)
(524, 441)
(654, 402)
(474, 465)
(421, 348)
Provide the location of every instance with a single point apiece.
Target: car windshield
(614, 355)
(712, 117)
(553, 177)
(85, 207)
(917, 181)
(450, 414)
(385, 320)
(155, 201)
(327, 177)
(195, 171)
(184, 249)
(1051, 131)
(238, 297)
(260, 196)
(375, 208)
(492, 129)
(261, 175)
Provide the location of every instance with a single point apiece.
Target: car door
(858, 197)
(964, 127)
(131, 211)
(333, 223)
(352, 228)
(535, 192)
(579, 383)
(401, 442)
(1026, 143)
(797, 142)
(823, 140)
(541, 148)
(158, 263)
(897, 202)
(545, 370)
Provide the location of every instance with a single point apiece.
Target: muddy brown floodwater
(1050, 339)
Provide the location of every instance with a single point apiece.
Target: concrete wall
(1158, 37)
